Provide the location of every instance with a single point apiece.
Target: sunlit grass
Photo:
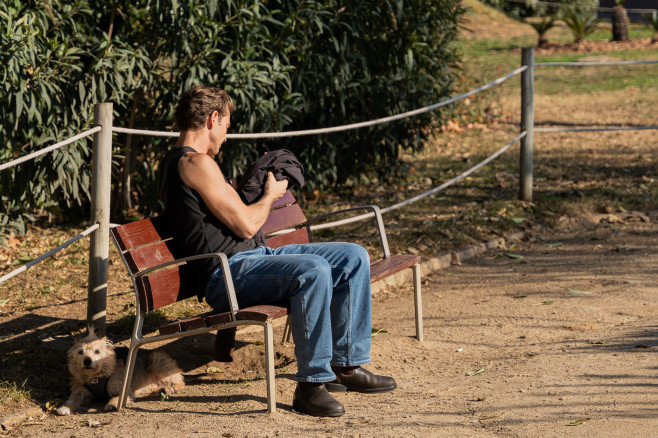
(12, 392)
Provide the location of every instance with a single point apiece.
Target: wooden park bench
(147, 252)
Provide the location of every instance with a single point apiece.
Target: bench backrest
(147, 243)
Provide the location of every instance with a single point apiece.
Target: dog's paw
(63, 410)
(169, 390)
(110, 407)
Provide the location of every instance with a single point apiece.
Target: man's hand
(274, 189)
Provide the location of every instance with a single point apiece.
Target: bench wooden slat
(382, 268)
(218, 318)
(297, 236)
(160, 289)
(139, 233)
(287, 199)
(255, 313)
(282, 218)
(148, 256)
(261, 313)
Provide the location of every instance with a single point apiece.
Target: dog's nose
(87, 362)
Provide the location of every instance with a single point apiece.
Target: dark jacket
(282, 163)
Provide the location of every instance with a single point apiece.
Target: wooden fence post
(527, 123)
(100, 214)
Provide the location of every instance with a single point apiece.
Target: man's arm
(201, 173)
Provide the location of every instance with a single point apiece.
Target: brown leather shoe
(313, 399)
(360, 380)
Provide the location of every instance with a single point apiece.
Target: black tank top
(194, 228)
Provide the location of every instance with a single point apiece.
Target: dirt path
(560, 331)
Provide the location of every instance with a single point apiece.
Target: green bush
(289, 65)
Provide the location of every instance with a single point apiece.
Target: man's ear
(210, 123)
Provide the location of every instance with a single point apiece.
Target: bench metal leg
(269, 367)
(128, 375)
(418, 301)
(287, 331)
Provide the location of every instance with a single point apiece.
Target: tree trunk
(619, 24)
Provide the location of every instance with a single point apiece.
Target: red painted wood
(160, 289)
(297, 236)
(286, 217)
(287, 199)
(139, 233)
(182, 325)
(219, 318)
(382, 268)
(148, 256)
(261, 313)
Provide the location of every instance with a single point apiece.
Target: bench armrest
(223, 261)
(376, 213)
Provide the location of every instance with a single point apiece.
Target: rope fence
(50, 253)
(50, 148)
(341, 128)
(616, 128)
(592, 63)
(431, 192)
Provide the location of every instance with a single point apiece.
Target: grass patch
(587, 80)
(12, 392)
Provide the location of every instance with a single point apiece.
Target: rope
(145, 132)
(619, 128)
(28, 265)
(588, 64)
(343, 127)
(50, 148)
(422, 195)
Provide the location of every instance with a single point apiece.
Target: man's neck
(194, 139)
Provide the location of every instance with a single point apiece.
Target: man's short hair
(197, 103)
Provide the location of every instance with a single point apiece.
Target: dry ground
(558, 331)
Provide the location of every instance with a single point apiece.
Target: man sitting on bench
(325, 286)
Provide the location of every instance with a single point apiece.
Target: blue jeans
(326, 287)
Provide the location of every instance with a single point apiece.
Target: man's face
(219, 130)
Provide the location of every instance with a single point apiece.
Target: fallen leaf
(621, 248)
(213, 370)
(259, 343)
(514, 256)
(474, 373)
(578, 422)
(53, 404)
(554, 245)
(578, 292)
(547, 302)
(520, 296)
(375, 331)
(518, 220)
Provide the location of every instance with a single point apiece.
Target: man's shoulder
(198, 162)
(199, 171)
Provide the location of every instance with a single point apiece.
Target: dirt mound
(597, 46)
(484, 22)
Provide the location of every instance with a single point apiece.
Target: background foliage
(289, 65)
